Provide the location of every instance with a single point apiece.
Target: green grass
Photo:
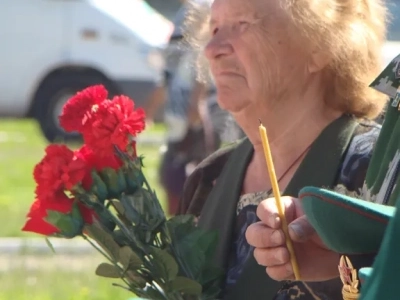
(60, 285)
(24, 277)
(57, 278)
(21, 147)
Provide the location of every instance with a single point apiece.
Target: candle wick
(260, 121)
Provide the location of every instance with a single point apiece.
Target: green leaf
(103, 214)
(129, 205)
(145, 213)
(139, 202)
(211, 293)
(166, 265)
(190, 251)
(180, 220)
(50, 245)
(76, 212)
(153, 293)
(208, 243)
(180, 226)
(108, 270)
(211, 274)
(157, 215)
(129, 259)
(69, 225)
(59, 220)
(185, 245)
(120, 238)
(104, 239)
(194, 247)
(118, 206)
(186, 286)
(136, 280)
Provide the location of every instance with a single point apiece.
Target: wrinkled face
(254, 55)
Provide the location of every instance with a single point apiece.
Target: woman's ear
(318, 60)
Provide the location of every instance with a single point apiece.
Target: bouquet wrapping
(99, 192)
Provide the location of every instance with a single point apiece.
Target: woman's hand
(315, 261)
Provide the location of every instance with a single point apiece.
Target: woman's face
(254, 57)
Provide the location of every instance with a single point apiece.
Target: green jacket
(213, 190)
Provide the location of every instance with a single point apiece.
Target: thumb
(300, 230)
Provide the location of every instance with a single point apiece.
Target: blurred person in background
(195, 123)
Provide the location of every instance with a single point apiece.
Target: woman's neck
(290, 128)
(290, 134)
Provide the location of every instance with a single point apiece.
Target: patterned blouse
(351, 175)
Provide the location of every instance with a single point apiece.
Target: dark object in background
(52, 95)
(167, 8)
(191, 150)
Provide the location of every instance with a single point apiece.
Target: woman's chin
(232, 105)
(232, 101)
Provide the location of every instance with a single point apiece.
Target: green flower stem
(98, 248)
(163, 226)
(165, 231)
(124, 220)
(152, 193)
(133, 240)
(108, 258)
(181, 263)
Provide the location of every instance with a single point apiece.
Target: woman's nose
(217, 47)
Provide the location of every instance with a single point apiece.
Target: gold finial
(348, 275)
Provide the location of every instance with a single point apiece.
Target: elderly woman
(303, 68)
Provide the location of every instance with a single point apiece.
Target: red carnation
(38, 212)
(115, 123)
(58, 170)
(95, 162)
(78, 110)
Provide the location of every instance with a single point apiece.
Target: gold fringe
(349, 295)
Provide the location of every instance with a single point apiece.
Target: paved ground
(34, 254)
(10, 246)
(61, 262)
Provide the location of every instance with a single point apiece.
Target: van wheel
(51, 97)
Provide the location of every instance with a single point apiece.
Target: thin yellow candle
(277, 195)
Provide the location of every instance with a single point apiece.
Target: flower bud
(114, 181)
(99, 188)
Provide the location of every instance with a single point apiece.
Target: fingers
(276, 261)
(260, 236)
(267, 211)
(282, 272)
(300, 230)
(271, 257)
(268, 238)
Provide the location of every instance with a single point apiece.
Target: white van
(50, 49)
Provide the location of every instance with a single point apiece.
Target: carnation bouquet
(99, 192)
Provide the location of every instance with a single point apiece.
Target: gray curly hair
(353, 31)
